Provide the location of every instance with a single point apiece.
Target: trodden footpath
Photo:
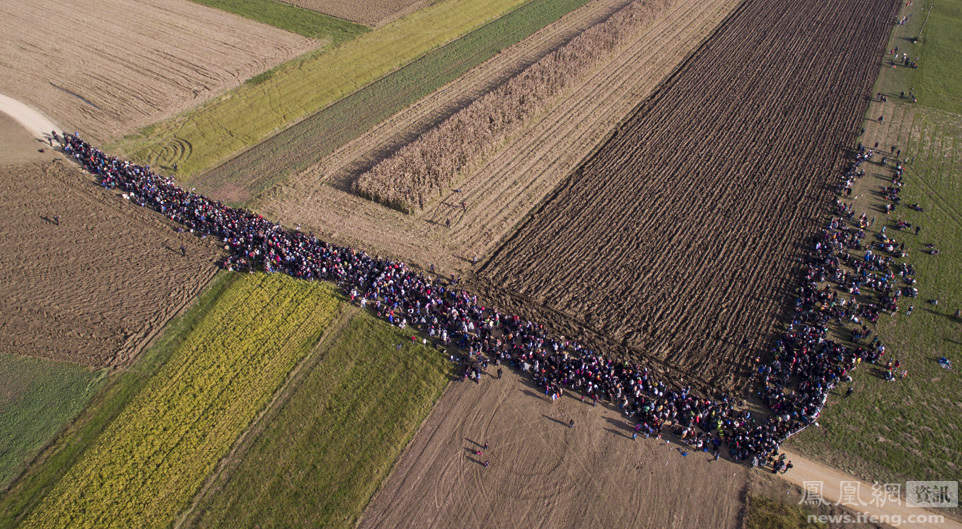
(836, 487)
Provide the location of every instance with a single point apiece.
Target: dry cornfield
(436, 159)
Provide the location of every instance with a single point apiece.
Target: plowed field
(543, 474)
(95, 288)
(676, 241)
(500, 194)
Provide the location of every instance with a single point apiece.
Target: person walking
(571, 424)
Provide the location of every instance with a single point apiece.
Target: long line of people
(805, 365)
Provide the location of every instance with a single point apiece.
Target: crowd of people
(804, 366)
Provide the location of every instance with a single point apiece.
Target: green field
(38, 398)
(912, 429)
(325, 453)
(153, 456)
(246, 115)
(291, 18)
(119, 389)
(305, 143)
(939, 79)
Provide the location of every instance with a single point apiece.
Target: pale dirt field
(96, 288)
(368, 12)
(542, 473)
(502, 191)
(109, 67)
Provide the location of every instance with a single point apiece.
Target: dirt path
(832, 483)
(542, 473)
(29, 118)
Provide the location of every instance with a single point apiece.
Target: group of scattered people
(805, 365)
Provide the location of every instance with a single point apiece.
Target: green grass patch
(291, 18)
(246, 115)
(939, 77)
(118, 390)
(38, 398)
(307, 142)
(912, 429)
(155, 454)
(769, 513)
(326, 452)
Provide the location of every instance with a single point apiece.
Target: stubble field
(676, 241)
(107, 68)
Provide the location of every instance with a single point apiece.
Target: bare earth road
(36, 123)
(832, 484)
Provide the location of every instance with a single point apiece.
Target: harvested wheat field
(498, 194)
(541, 473)
(677, 240)
(95, 285)
(109, 67)
(369, 12)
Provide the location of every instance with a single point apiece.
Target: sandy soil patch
(109, 67)
(96, 287)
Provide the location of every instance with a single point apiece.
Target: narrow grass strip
(270, 162)
(291, 18)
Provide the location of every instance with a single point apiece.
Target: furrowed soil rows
(96, 284)
(513, 181)
(675, 242)
(108, 67)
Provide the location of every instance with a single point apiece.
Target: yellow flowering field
(150, 461)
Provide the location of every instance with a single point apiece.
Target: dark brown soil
(677, 241)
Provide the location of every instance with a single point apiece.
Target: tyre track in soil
(543, 474)
(678, 238)
(505, 188)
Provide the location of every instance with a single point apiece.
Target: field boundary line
(151, 337)
(407, 447)
(226, 466)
